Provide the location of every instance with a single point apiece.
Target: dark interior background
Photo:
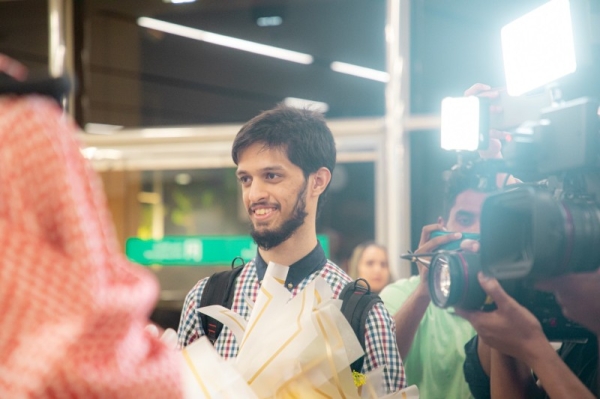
(132, 76)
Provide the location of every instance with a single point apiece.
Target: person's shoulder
(194, 296)
(196, 291)
(401, 285)
(331, 269)
(335, 276)
(396, 293)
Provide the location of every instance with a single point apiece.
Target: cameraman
(429, 338)
(511, 344)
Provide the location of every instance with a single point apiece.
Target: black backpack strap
(218, 290)
(357, 301)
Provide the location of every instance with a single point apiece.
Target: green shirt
(435, 360)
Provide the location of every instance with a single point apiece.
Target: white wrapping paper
(289, 347)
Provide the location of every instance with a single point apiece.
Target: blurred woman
(370, 261)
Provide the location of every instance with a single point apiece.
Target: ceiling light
(306, 104)
(359, 71)
(269, 21)
(94, 153)
(101, 128)
(88, 152)
(183, 179)
(227, 41)
(179, 1)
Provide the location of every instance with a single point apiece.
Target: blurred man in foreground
(73, 308)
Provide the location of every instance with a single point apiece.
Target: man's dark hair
(302, 134)
(465, 177)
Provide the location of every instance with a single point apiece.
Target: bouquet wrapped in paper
(289, 348)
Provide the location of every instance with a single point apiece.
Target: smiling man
(285, 158)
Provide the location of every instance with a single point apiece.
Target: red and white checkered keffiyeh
(72, 309)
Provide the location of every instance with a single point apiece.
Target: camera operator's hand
(470, 245)
(579, 297)
(494, 150)
(428, 245)
(410, 314)
(511, 329)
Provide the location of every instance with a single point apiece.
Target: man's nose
(257, 192)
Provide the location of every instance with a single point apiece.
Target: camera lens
(582, 229)
(453, 280)
(442, 282)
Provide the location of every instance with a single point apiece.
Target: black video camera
(453, 283)
(531, 231)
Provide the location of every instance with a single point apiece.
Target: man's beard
(268, 239)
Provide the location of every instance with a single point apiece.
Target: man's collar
(312, 262)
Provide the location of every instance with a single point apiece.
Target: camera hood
(523, 232)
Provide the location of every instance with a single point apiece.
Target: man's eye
(465, 220)
(244, 179)
(271, 176)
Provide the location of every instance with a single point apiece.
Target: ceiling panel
(184, 81)
(133, 76)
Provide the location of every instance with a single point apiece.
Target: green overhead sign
(195, 250)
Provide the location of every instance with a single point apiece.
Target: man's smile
(262, 212)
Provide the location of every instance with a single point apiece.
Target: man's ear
(320, 180)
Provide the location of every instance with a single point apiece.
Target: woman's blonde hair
(357, 253)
